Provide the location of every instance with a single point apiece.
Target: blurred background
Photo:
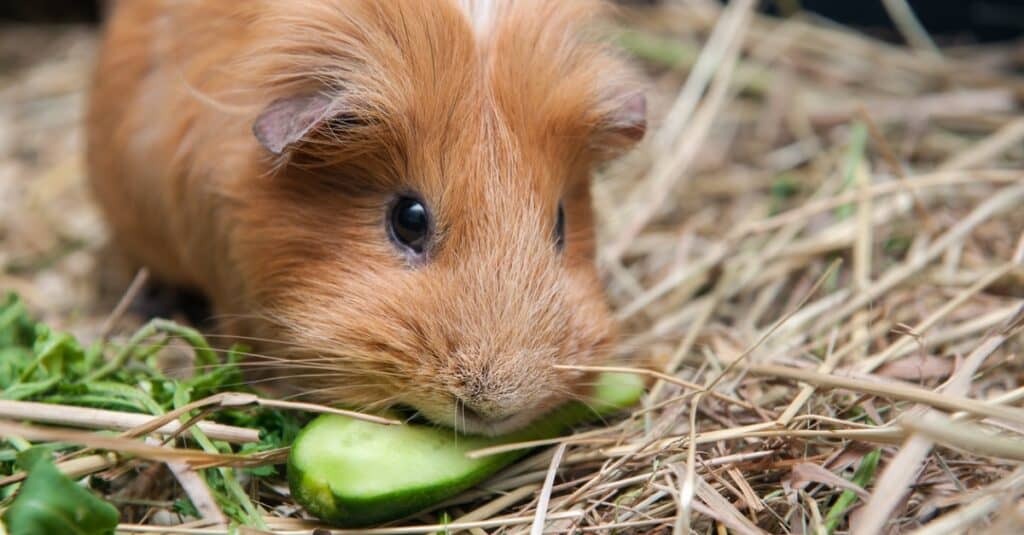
(947, 20)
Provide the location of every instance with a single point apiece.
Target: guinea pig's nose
(483, 411)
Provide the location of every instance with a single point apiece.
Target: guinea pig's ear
(624, 123)
(287, 120)
(630, 120)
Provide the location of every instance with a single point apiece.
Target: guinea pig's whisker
(270, 359)
(380, 403)
(250, 356)
(588, 383)
(455, 423)
(271, 366)
(324, 362)
(326, 390)
(323, 396)
(350, 368)
(288, 378)
(285, 347)
(597, 414)
(464, 428)
(224, 336)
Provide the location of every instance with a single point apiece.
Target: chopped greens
(43, 365)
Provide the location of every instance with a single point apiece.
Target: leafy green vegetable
(43, 365)
(50, 502)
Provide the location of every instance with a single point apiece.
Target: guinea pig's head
(424, 236)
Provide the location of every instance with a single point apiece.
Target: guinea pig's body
(393, 194)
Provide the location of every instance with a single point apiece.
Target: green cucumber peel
(355, 473)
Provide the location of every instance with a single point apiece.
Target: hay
(820, 250)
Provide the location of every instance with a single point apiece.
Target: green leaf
(785, 187)
(50, 502)
(444, 518)
(864, 474)
(38, 363)
(185, 508)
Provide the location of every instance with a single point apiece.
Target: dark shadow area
(946, 20)
(51, 11)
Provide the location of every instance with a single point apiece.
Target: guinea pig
(390, 198)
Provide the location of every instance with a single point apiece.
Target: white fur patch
(481, 13)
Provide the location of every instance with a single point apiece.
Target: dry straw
(779, 147)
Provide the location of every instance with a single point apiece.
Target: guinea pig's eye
(560, 228)
(409, 223)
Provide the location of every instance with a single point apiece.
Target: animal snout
(492, 391)
(493, 394)
(484, 410)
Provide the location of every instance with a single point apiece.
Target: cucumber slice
(354, 473)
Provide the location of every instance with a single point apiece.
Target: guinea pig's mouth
(466, 421)
(473, 424)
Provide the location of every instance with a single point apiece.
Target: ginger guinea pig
(391, 197)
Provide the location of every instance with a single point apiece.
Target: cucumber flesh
(354, 473)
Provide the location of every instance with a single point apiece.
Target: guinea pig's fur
(251, 150)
